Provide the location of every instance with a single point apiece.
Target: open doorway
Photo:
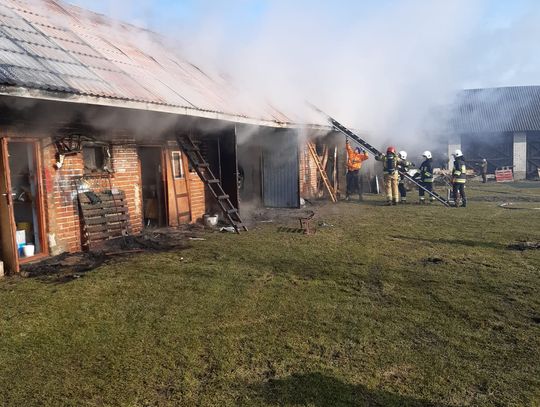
(26, 193)
(229, 171)
(153, 189)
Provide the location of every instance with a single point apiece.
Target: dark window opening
(96, 159)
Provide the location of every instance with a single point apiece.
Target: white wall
(520, 156)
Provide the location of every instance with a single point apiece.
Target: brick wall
(62, 185)
(308, 173)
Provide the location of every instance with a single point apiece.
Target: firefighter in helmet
(426, 177)
(391, 176)
(459, 178)
(403, 167)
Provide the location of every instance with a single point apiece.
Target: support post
(520, 156)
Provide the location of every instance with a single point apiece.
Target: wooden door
(178, 188)
(7, 220)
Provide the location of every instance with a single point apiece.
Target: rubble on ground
(67, 266)
(524, 246)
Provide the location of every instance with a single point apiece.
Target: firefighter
(483, 168)
(354, 163)
(403, 167)
(426, 177)
(390, 167)
(459, 178)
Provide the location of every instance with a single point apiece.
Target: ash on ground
(68, 266)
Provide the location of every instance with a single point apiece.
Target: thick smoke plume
(380, 66)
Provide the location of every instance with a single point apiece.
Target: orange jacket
(354, 159)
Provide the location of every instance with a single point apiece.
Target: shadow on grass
(316, 389)
(460, 242)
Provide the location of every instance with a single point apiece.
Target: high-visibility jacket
(459, 173)
(390, 163)
(354, 159)
(426, 171)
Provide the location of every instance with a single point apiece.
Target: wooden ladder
(322, 172)
(201, 166)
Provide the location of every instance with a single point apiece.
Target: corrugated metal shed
(52, 46)
(280, 168)
(496, 110)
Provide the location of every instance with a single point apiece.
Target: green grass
(397, 306)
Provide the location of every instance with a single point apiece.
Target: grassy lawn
(392, 306)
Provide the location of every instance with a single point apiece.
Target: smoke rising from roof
(381, 67)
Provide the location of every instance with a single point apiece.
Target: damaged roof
(50, 49)
(496, 110)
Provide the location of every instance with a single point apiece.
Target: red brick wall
(308, 173)
(61, 186)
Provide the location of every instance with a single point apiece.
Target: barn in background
(501, 125)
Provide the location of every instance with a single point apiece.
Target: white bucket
(211, 220)
(29, 250)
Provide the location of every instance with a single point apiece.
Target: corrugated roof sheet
(50, 45)
(496, 110)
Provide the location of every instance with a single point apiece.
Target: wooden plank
(39, 198)
(89, 213)
(8, 244)
(105, 219)
(322, 172)
(108, 204)
(103, 197)
(108, 226)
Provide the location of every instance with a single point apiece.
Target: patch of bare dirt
(69, 266)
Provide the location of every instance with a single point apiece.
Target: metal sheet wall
(533, 155)
(281, 170)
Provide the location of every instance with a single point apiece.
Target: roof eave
(40, 94)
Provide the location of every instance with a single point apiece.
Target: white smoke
(377, 66)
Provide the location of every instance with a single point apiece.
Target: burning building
(91, 110)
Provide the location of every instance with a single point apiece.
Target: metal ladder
(322, 172)
(341, 128)
(201, 166)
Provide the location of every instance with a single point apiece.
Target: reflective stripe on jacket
(403, 166)
(354, 159)
(426, 171)
(459, 173)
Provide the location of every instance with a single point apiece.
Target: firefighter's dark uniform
(403, 167)
(426, 179)
(459, 178)
(484, 167)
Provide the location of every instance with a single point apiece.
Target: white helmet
(403, 155)
(427, 154)
(458, 153)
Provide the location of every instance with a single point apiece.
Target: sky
(380, 65)
(161, 15)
